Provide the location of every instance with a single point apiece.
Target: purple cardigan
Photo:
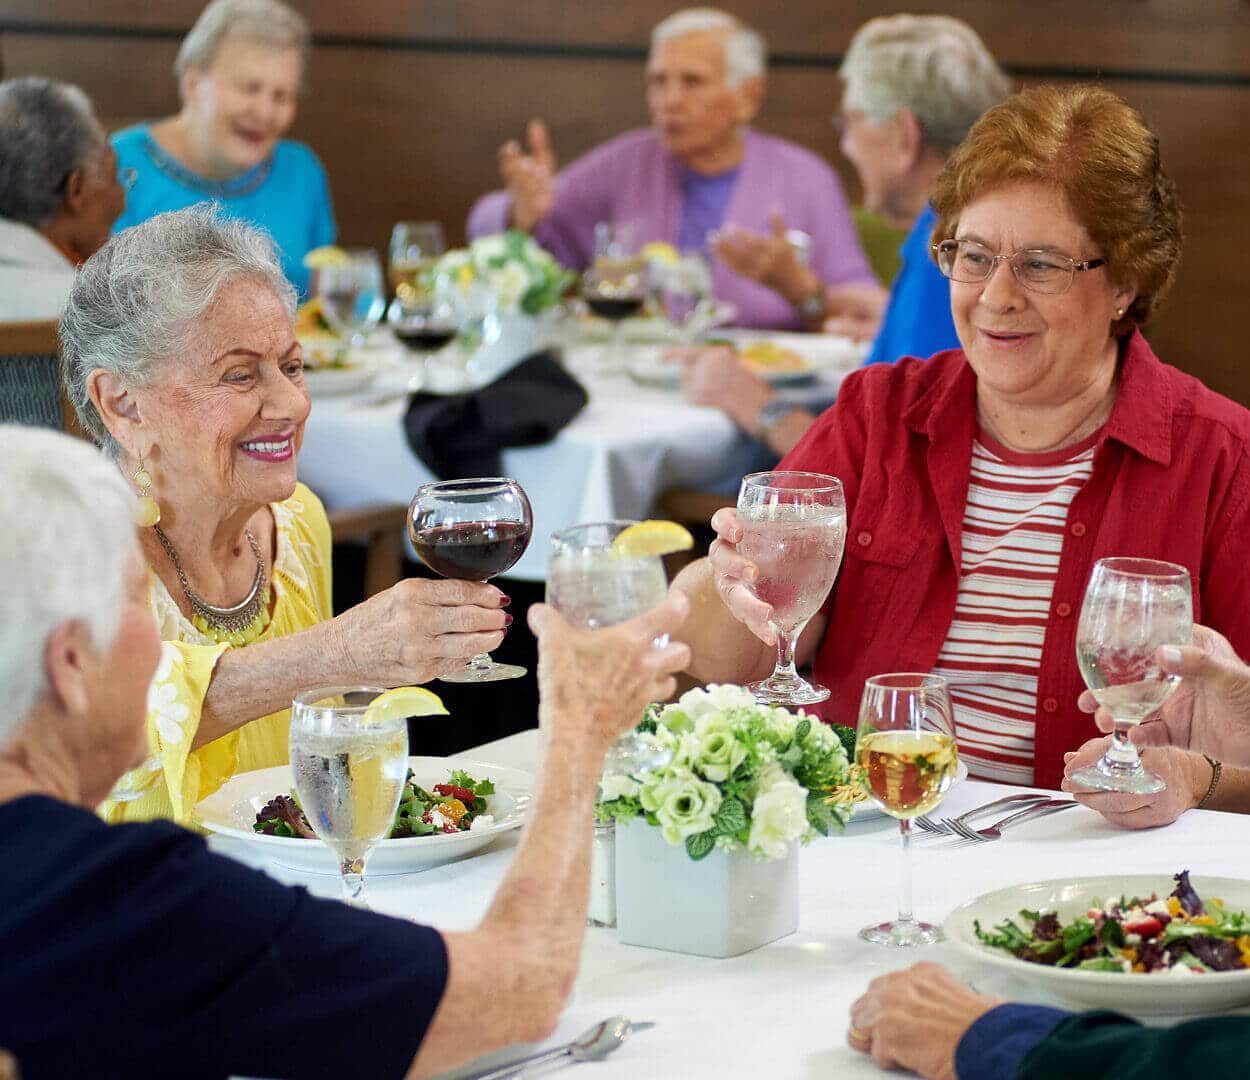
(634, 183)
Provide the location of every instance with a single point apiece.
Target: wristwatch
(773, 411)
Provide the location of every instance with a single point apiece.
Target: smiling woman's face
(242, 103)
(227, 418)
(1030, 349)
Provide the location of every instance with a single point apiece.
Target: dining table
(636, 437)
(781, 1010)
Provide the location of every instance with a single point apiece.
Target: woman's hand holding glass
(735, 577)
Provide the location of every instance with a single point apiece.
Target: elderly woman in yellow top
(182, 363)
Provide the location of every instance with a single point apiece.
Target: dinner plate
(652, 329)
(1137, 994)
(868, 809)
(231, 810)
(819, 354)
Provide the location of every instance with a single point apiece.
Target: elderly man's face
(693, 109)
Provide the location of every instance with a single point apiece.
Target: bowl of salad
(1146, 944)
(449, 808)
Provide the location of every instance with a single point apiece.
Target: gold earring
(148, 510)
(1119, 313)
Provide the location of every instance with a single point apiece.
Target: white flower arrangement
(517, 272)
(742, 776)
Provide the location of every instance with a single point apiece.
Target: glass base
(471, 673)
(902, 935)
(636, 752)
(1107, 776)
(787, 690)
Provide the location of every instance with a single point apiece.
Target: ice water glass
(794, 531)
(594, 586)
(1131, 608)
(906, 757)
(352, 295)
(349, 774)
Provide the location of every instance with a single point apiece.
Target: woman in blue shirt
(239, 72)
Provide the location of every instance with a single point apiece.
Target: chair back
(31, 389)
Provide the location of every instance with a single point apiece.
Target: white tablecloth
(627, 446)
(781, 1010)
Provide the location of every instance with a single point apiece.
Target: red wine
(472, 550)
(614, 307)
(425, 338)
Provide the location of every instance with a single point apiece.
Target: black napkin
(462, 434)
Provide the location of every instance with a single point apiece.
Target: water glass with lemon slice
(605, 573)
(349, 758)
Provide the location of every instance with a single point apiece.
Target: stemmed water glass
(472, 530)
(349, 768)
(906, 755)
(1131, 608)
(684, 289)
(794, 531)
(594, 585)
(352, 294)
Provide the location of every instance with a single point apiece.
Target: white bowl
(231, 811)
(1134, 994)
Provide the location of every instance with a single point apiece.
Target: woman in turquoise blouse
(239, 72)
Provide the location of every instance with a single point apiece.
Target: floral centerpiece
(519, 274)
(743, 777)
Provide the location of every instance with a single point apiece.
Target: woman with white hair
(181, 360)
(134, 952)
(240, 71)
(700, 168)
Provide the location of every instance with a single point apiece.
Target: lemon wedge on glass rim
(328, 255)
(404, 701)
(652, 538)
(660, 252)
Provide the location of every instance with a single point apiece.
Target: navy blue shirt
(133, 951)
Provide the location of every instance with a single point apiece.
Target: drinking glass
(415, 248)
(684, 290)
(794, 531)
(349, 771)
(351, 294)
(1132, 606)
(472, 530)
(592, 585)
(615, 288)
(427, 323)
(906, 755)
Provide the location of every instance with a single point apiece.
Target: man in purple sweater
(698, 171)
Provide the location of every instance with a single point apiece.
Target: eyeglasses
(126, 177)
(1039, 271)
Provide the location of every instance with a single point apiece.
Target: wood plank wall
(409, 99)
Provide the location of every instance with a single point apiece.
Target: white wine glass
(415, 248)
(349, 769)
(906, 757)
(1131, 608)
(593, 585)
(352, 293)
(794, 531)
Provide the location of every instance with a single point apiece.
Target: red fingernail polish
(507, 620)
(504, 601)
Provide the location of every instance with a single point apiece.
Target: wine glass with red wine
(615, 288)
(472, 530)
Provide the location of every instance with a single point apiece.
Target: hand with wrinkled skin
(713, 375)
(1209, 712)
(529, 174)
(914, 1019)
(771, 260)
(734, 575)
(1187, 775)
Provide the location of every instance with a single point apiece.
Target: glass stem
(353, 874)
(905, 917)
(618, 345)
(1122, 754)
(785, 656)
(481, 662)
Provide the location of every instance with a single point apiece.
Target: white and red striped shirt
(1012, 535)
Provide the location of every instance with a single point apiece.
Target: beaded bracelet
(1216, 769)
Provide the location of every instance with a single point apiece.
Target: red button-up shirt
(1171, 481)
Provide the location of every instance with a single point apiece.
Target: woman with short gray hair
(240, 71)
(181, 359)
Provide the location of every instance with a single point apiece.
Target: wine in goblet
(593, 584)
(472, 530)
(794, 531)
(349, 767)
(615, 288)
(1131, 608)
(906, 756)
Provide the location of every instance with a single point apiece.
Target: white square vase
(723, 905)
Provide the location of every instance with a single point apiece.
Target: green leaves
(802, 730)
(700, 845)
(731, 818)
(820, 814)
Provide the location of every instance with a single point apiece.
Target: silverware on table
(944, 826)
(995, 831)
(591, 1045)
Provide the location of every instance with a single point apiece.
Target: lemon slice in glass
(652, 538)
(320, 258)
(404, 701)
(659, 252)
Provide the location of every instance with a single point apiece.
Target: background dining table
(630, 443)
(781, 1010)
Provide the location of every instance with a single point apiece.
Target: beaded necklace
(237, 625)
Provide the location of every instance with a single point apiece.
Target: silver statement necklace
(239, 624)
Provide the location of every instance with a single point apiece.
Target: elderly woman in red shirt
(982, 484)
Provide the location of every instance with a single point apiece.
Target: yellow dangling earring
(148, 510)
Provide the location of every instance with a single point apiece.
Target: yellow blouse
(170, 782)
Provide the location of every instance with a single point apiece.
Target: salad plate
(1160, 993)
(231, 810)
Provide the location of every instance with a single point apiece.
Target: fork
(995, 831)
(945, 828)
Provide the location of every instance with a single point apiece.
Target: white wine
(906, 772)
(1129, 685)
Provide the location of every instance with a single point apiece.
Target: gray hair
(47, 130)
(134, 304)
(268, 22)
(65, 551)
(746, 55)
(934, 65)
